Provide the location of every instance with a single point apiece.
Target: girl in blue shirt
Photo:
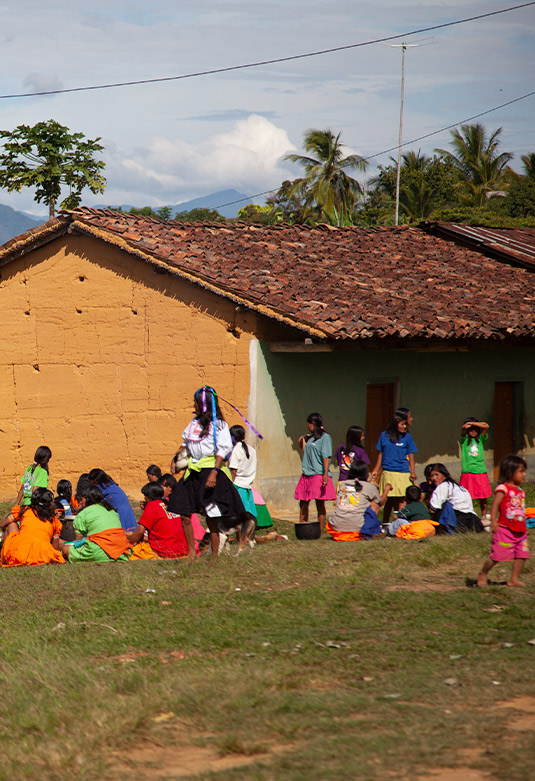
(315, 482)
(396, 459)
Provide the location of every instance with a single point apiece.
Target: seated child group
(96, 522)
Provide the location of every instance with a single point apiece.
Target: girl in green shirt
(36, 475)
(474, 475)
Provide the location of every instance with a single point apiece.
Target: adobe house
(111, 322)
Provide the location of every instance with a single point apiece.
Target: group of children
(438, 505)
(98, 523)
(217, 470)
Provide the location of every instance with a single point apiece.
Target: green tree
(48, 156)
(287, 204)
(144, 211)
(200, 214)
(475, 156)
(327, 191)
(426, 184)
(164, 212)
(528, 161)
(520, 201)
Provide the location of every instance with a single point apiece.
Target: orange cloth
(114, 542)
(32, 544)
(142, 551)
(342, 536)
(530, 512)
(417, 530)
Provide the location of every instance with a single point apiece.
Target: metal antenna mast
(401, 46)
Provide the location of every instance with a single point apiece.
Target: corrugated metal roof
(516, 245)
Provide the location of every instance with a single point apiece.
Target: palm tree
(528, 162)
(418, 200)
(327, 190)
(477, 161)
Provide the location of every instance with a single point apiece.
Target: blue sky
(166, 143)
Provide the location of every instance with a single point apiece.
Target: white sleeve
(224, 440)
(439, 496)
(234, 460)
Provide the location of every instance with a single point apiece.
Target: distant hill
(211, 201)
(12, 223)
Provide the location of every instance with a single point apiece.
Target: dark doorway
(380, 406)
(508, 420)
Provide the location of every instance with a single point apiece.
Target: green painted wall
(440, 388)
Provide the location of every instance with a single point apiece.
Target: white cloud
(246, 157)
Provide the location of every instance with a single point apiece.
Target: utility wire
(268, 62)
(405, 143)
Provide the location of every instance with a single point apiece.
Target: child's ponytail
(359, 470)
(238, 435)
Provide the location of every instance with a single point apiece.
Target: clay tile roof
(341, 283)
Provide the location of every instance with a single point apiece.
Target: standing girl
(36, 476)
(474, 475)
(508, 521)
(206, 487)
(315, 482)
(350, 451)
(242, 465)
(396, 458)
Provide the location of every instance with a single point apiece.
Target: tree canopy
(327, 191)
(48, 156)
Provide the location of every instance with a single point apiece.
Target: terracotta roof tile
(347, 283)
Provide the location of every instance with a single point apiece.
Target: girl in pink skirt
(474, 475)
(315, 482)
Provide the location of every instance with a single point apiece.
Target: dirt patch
(525, 704)
(155, 762)
(454, 774)
(422, 587)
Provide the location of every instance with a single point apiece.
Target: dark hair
(168, 480)
(443, 471)
(99, 477)
(205, 417)
(152, 491)
(427, 471)
(59, 507)
(238, 435)
(82, 485)
(353, 439)
(412, 493)
(154, 470)
(316, 419)
(64, 489)
(42, 456)
(403, 411)
(508, 467)
(42, 503)
(392, 430)
(359, 470)
(471, 419)
(93, 495)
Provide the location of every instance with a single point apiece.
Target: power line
(405, 143)
(267, 62)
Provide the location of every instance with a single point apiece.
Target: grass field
(298, 660)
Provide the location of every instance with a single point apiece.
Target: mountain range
(13, 222)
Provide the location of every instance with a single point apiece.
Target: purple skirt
(478, 486)
(310, 487)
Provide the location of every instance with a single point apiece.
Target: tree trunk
(51, 207)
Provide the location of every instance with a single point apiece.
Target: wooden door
(508, 408)
(380, 406)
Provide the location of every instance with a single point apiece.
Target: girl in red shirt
(508, 521)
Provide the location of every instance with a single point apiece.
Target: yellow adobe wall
(100, 357)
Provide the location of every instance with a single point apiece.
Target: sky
(169, 142)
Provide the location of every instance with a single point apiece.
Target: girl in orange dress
(32, 544)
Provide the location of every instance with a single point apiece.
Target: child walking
(474, 475)
(315, 482)
(508, 522)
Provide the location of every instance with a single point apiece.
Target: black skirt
(191, 496)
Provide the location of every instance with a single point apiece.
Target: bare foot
(482, 580)
(515, 583)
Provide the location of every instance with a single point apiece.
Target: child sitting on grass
(412, 509)
(37, 540)
(508, 522)
(357, 503)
